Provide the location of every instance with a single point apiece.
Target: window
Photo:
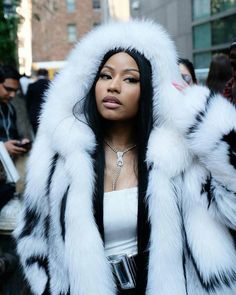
(71, 33)
(205, 8)
(223, 30)
(202, 36)
(9, 8)
(214, 33)
(70, 5)
(96, 4)
(202, 60)
(218, 6)
(201, 9)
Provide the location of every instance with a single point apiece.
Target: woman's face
(186, 75)
(117, 90)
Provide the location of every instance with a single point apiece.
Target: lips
(111, 102)
(111, 99)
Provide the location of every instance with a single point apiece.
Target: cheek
(99, 88)
(133, 102)
(98, 92)
(134, 96)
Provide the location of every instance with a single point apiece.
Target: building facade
(199, 28)
(118, 10)
(57, 25)
(213, 28)
(24, 37)
(174, 15)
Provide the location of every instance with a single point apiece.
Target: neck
(121, 135)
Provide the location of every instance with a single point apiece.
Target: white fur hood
(173, 110)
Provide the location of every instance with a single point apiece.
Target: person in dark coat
(230, 87)
(34, 97)
(9, 135)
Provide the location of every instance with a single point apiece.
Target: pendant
(120, 161)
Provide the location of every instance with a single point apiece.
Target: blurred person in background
(6, 190)
(219, 72)
(34, 97)
(9, 84)
(8, 127)
(24, 83)
(187, 71)
(230, 88)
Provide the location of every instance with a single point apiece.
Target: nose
(12, 94)
(115, 85)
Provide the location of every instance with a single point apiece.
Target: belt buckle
(124, 268)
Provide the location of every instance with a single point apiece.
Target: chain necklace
(119, 162)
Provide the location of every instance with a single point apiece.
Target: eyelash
(104, 76)
(132, 80)
(107, 77)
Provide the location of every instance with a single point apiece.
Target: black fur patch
(233, 235)
(62, 213)
(52, 170)
(31, 220)
(184, 238)
(31, 216)
(230, 139)
(223, 187)
(46, 226)
(41, 261)
(200, 116)
(206, 188)
(226, 278)
(184, 270)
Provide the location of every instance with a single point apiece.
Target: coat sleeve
(212, 139)
(32, 231)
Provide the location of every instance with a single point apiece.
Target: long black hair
(144, 124)
(220, 72)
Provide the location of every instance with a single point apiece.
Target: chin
(115, 116)
(118, 119)
(112, 118)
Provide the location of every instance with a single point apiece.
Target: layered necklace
(119, 162)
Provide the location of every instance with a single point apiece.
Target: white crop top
(120, 221)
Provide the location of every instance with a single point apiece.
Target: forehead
(11, 83)
(183, 69)
(121, 60)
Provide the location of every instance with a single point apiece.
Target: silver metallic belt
(124, 269)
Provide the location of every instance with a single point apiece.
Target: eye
(132, 80)
(104, 76)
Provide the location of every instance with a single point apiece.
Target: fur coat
(191, 189)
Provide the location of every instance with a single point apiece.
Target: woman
(219, 72)
(127, 191)
(187, 71)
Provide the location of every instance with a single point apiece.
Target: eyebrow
(9, 88)
(126, 70)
